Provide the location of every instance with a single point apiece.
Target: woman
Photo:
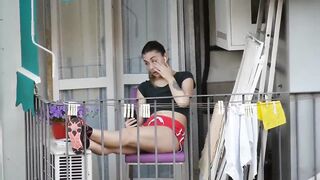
(163, 82)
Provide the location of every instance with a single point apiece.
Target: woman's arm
(185, 91)
(186, 88)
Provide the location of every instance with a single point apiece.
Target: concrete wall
(11, 117)
(304, 76)
(1, 57)
(303, 45)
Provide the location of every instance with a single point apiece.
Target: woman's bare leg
(147, 138)
(98, 149)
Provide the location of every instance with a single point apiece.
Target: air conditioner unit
(234, 20)
(71, 166)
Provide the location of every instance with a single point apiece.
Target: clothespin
(148, 110)
(274, 107)
(144, 110)
(128, 110)
(124, 110)
(220, 107)
(73, 109)
(132, 110)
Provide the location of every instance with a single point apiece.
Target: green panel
(29, 52)
(25, 87)
(29, 58)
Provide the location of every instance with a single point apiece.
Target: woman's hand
(164, 70)
(132, 122)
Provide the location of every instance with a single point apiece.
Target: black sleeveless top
(148, 90)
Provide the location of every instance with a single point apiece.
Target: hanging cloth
(241, 139)
(215, 126)
(271, 114)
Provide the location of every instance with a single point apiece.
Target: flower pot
(58, 130)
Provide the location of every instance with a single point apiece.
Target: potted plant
(57, 117)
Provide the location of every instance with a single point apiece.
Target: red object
(58, 130)
(167, 121)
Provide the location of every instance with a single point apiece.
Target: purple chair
(177, 158)
(163, 158)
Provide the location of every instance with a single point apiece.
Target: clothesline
(225, 97)
(166, 105)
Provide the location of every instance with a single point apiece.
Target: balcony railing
(49, 158)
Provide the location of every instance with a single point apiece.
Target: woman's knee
(128, 136)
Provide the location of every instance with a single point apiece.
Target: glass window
(83, 94)
(81, 39)
(143, 20)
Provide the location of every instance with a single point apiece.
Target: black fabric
(148, 90)
(86, 132)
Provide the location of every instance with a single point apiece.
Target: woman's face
(152, 57)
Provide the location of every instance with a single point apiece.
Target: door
(140, 21)
(82, 40)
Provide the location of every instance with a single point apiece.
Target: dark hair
(153, 46)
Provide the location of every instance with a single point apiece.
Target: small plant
(57, 115)
(57, 112)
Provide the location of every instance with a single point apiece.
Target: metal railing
(48, 158)
(304, 136)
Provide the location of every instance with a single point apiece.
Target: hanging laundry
(253, 131)
(216, 125)
(241, 140)
(271, 114)
(232, 143)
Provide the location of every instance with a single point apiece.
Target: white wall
(11, 117)
(303, 49)
(1, 57)
(224, 65)
(304, 45)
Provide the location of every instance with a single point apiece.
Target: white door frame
(107, 82)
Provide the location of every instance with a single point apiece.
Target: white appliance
(234, 20)
(78, 167)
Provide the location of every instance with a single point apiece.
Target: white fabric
(244, 149)
(216, 126)
(254, 142)
(241, 140)
(232, 144)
